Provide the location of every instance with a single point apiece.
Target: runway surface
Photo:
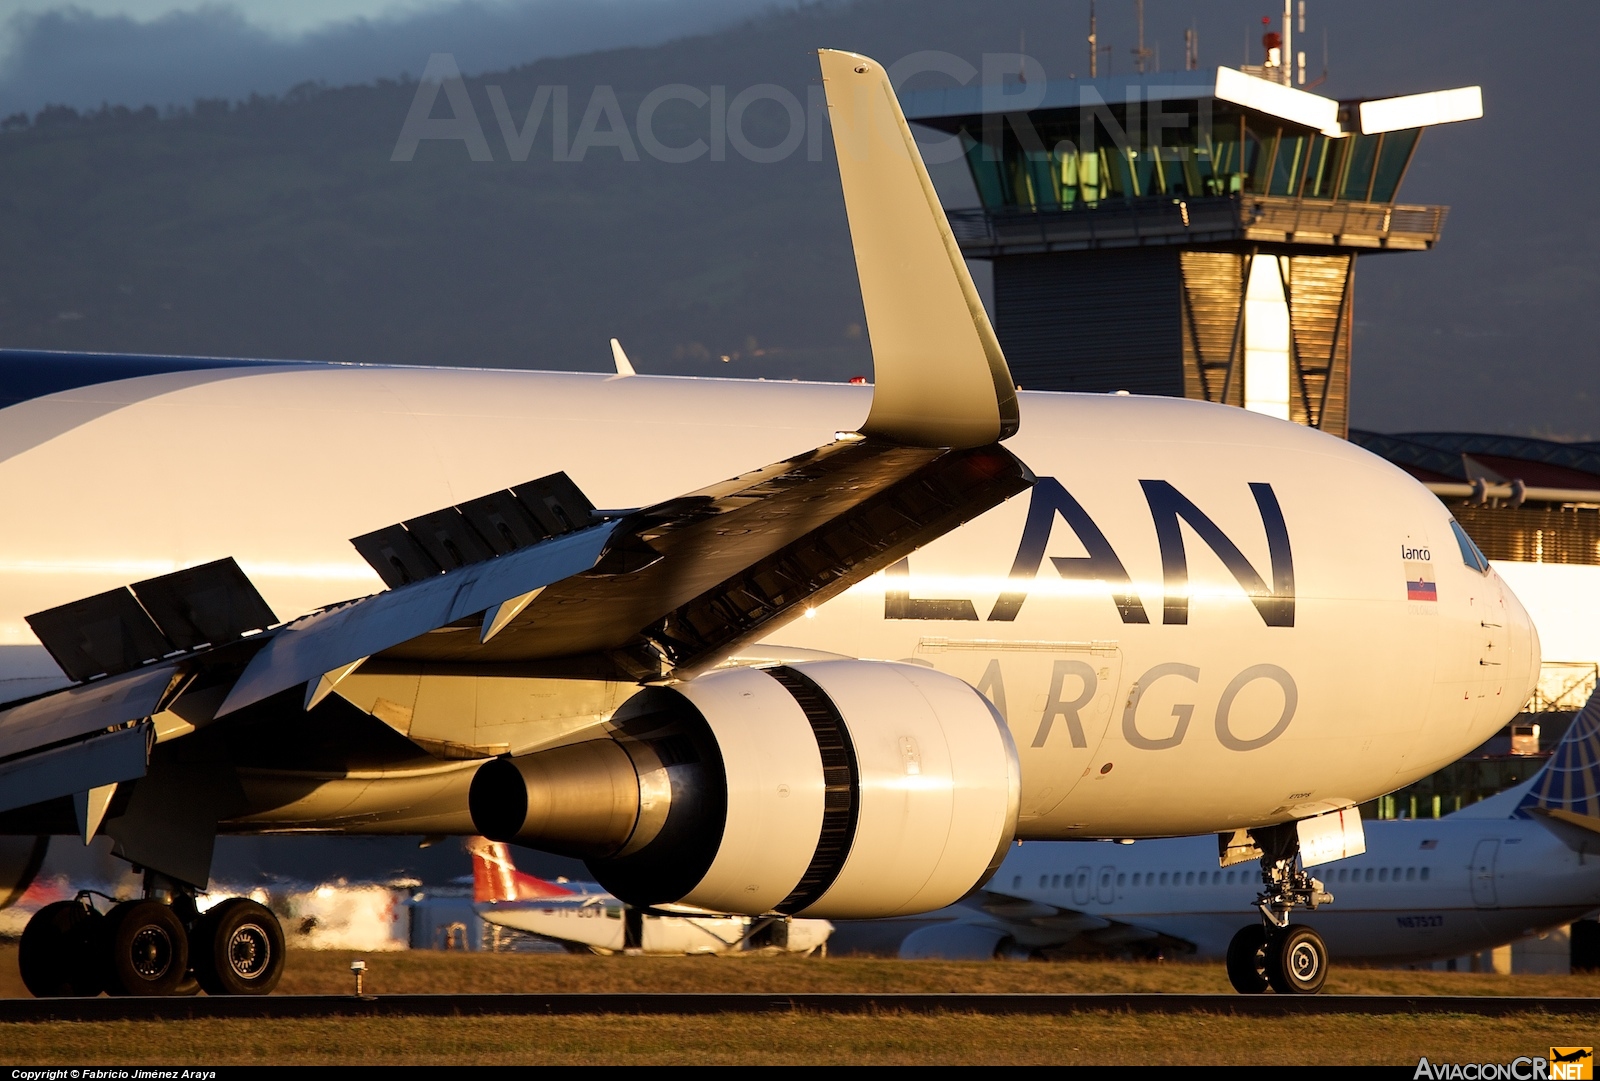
(301, 1006)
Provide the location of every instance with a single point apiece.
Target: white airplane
(1520, 862)
(828, 668)
(584, 914)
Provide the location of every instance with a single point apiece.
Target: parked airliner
(1518, 863)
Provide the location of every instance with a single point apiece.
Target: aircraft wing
(532, 581)
(654, 594)
(662, 592)
(994, 919)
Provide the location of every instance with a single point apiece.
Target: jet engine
(836, 789)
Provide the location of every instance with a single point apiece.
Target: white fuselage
(1424, 889)
(1175, 709)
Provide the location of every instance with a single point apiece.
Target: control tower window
(1322, 168)
(1358, 167)
(1394, 154)
(1288, 165)
(1076, 158)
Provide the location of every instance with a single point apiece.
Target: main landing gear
(159, 945)
(1290, 959)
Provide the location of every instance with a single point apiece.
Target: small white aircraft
(584, 914)
(820, 663)
(1518, 863)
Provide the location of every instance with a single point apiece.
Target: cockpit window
(1470, 555)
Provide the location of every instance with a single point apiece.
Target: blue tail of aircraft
(1570, 780)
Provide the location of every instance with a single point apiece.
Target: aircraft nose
(1523, 671)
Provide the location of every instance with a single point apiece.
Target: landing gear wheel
(60, 952)
(238, 949)
(1247, 960)
(1297, 961)
(149, 949)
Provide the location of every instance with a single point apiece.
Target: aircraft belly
(429, 802)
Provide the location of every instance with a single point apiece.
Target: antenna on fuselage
(624, 365)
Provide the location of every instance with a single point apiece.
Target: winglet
(624, 365)
(941, 379)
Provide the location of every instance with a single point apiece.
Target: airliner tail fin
(1569, 783)
(496, 878)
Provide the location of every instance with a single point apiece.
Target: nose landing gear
(1290, 959)
(160, 945)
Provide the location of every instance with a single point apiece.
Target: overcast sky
(279, 16)
(85, 52)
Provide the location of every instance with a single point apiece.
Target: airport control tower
(1190, 234)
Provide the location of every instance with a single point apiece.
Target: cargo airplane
(585, 917)
(1516, 864)
(825, 650)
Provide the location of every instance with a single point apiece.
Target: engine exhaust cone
(581, 800)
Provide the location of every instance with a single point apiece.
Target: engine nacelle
(837, 789)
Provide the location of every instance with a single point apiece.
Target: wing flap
(735, 561)
(123, 629)
(67, 769)
(75, 712)
(306, 649)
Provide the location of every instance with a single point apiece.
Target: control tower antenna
(1275, 66)
(1095, 48)
(1140, 54)
(1300, 57)
(1094, 45)
(1288, 42)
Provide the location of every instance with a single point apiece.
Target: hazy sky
(134, 52)
(283, 18)
(289, 16)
